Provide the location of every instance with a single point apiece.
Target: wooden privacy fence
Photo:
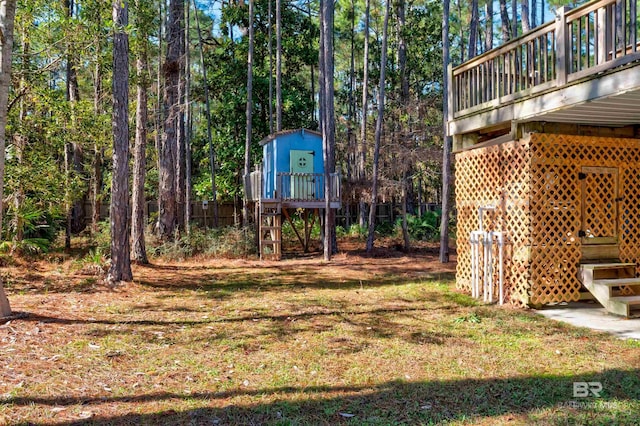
(582, 42)
(227, 214)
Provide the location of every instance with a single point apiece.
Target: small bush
(102, 238)
(385, 229)
(94, 262)
(223, 242)
(289, 233)
(28, 246)
(232, 242)
(355, 230)
(423, 228)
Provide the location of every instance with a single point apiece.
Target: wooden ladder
(270, 232)
(614, 285)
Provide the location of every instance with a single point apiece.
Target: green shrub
(224, 242)
(355, 230)
(94, 262)
(102, 238)
(39, 228)
(233, 242)
(424, 228)
(28, 246)
(385, 229)
(298, 221)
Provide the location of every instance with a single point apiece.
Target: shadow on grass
(221, 281)
(388, 403)
(220, 285)
(345, 314)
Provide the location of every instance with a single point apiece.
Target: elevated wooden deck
(581, 69)
(295, 190)
(291, 191)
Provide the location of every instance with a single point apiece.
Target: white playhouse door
(302, 174)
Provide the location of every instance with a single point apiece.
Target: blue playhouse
(291, 177)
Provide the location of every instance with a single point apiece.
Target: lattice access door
(599, 205)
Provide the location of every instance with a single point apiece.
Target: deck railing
(253, 185)
(582, 42)
(294, 187)
(300, 187)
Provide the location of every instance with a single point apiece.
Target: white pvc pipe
(477, 237)
(501, 266)
(488, 275)
(482, 209)
(474, 247)
(486, 239)
(500, 238)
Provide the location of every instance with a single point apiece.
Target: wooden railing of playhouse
(582, 42)
(294, 187)
(253, 185)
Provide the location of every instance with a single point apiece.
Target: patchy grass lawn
(362, 340)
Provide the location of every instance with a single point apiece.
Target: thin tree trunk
(473, 30)
(120, 269)
(159, 122)
(524, 15)
(188, 120)
(313, 78)
(212, 160)
(362, 147)
(278, 65)
(138, 246)
(461, 37)
(379, 129)
(505, 22)
(168, 153)
(71, 96)
(249, 115)
(20, 142)
(404, 105)
(76, 221)
(327, 120)
(270, 48)
(446, 152)
(405, 226)
(96, 166)
(180, 130)
(351, 166)
(514, 18)
(534, 13)
(67, 196)
(488, 39)
(7, 15)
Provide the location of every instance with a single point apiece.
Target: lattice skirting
(537, 188)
